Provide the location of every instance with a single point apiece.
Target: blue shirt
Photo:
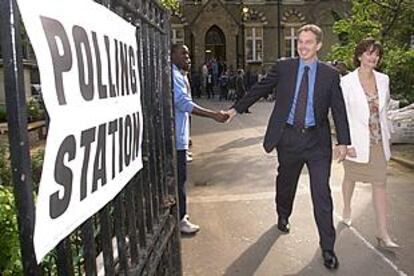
(183, 107)
(310, 115)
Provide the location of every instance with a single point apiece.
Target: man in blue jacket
(184, 106)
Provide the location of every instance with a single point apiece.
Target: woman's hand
(351, 152)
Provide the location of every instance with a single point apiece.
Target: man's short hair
(176, 47)
(314, 29)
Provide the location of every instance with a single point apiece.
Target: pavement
(403, 154)
(231, 196)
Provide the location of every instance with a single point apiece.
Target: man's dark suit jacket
(327, 94)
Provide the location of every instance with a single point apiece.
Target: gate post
(169, 122)
(17, 129)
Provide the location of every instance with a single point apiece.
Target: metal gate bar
(137, 232)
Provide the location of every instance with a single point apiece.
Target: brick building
(217, 28)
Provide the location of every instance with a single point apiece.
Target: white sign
(88, 65)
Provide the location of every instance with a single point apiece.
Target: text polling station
(89, 72)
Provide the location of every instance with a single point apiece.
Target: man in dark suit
(299, 130)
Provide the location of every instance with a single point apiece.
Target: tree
(390, 22)
(172, 5)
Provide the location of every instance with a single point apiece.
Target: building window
(291, 42)
(254, 44)
(177, 35)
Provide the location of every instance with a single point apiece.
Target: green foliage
(3, 114)
(5, 170)
(10, 261)
(10, 257)
(34, 110)
(398, 63)
(172, 5)
(389, 22)
(48, 265)
(37, 165)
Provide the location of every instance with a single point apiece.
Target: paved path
(231, 196)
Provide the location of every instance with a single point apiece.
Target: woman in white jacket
(366, 94)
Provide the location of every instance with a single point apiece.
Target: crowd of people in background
(216, 80)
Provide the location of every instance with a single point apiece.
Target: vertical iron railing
(18, 135)
(137, 233)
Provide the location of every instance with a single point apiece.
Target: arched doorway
(215, 44)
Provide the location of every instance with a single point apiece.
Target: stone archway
(223, 20)
(215, 44)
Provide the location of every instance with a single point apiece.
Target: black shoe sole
(283, 229)
(331, 267)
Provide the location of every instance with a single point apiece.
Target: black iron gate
(136, 233)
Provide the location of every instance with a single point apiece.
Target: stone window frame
(174, 29)
(255, 40)
(291, 37)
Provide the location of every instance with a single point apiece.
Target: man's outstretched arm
(258, 91)
(218, 116)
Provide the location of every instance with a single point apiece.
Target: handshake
(224, 116)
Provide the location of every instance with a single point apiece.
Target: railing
(136, 233)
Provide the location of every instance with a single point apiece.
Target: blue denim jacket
(183, 108)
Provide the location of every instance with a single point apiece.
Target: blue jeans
(182, 179)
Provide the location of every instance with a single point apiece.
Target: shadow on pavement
(240, 143)
(315, 267)
(248, 262)
(350, 262)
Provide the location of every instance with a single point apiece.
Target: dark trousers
(295, 149)
(182, 179)
(223, 93)
(210, 91)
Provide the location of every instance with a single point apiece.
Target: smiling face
(181, 58)
(368, 53)
(308, 46)
(370, 58)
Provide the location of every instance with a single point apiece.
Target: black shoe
(330, 260)
(283, 225)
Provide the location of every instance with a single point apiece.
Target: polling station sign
(88, 63)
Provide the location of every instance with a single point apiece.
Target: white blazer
(358, 114)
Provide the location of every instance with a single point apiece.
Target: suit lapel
(359, 94)
(317, 87)
(292, 79)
